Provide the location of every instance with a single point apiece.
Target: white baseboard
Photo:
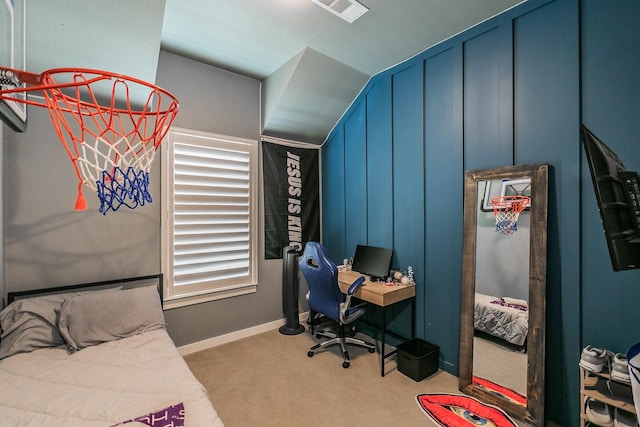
(234, 336)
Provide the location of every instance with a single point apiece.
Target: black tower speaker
(290, 292)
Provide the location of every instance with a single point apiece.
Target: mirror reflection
(503, 289)
(501, 312)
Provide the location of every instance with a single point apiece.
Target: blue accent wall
(408, 169)
(610, 313)
(487, 96)
(511, 90)
(443, 203)
(333, 197)
(355, 167)
(379, 174)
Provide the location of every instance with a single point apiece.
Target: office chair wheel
(345, 364)
(310, 353)
(371, 350)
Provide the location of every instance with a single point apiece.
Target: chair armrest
(353, 288)
(345, 316)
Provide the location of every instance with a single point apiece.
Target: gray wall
(47, 243)
(502, 261)
(218, 101)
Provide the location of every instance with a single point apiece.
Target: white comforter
(510, 324)
(101, 385)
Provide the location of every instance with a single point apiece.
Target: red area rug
(504, 392)
(454, 410)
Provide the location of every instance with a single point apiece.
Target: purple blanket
(172, 416)
(501, 302)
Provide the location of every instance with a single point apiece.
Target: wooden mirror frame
(533, 413)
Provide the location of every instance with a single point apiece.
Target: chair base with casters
(340, 338)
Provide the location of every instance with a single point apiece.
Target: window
(209, 237)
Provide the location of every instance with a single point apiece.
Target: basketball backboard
(506, 187)
(13, 55)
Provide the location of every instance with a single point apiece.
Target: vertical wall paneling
(408, 172)
(611, 108)
(546, 91)
(333, 197)
(488, 100)
(610, 59)
(443, 202)
(379, 165)
(355, 173)
(503, 92)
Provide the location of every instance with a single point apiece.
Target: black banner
(291, 201)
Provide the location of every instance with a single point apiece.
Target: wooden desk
(382, 296)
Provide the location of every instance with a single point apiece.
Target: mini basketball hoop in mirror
(507, 210)
(109, 124)
(514, 198)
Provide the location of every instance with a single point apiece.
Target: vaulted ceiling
(312, 63)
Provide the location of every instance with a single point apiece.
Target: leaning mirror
(502, 330)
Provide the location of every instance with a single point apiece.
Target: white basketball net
(106, 157)
(507, 210)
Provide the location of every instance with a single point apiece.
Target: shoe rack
(594, 385)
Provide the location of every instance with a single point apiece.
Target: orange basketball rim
(109, 124)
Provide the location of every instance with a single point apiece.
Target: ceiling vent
(349, 10)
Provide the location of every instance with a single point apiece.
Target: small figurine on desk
(399, 277)
(390, 280)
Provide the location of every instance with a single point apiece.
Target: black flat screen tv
(618, 197)
(372, 261)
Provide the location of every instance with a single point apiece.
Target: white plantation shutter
(210, 205)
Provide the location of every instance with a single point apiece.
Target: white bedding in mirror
(508, 323)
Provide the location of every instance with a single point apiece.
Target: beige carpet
(510, 372)
(268, 380)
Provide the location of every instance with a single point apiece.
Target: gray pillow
(32, 323)
(29, 324)
(89, 319)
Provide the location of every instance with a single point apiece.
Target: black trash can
(418, 359)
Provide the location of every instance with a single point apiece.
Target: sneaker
(620, 369)
(594, 359)
(624, 419)
(598, 412)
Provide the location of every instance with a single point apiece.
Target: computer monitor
(618, 197)
(372, 261)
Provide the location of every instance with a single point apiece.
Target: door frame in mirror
(533, 413)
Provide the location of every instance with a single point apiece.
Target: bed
(96, 358)
(502, 317)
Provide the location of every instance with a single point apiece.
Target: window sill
(177, 302)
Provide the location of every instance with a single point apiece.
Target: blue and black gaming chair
(325, 298)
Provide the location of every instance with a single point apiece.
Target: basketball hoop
(507, 209)
(111, 145)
